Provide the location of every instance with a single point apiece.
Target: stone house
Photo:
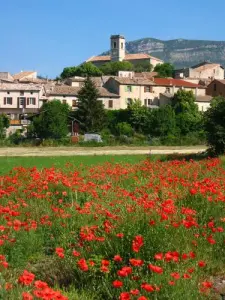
(216, 88)
(202, 71)
(19, 100)
(25, 75)
(118, 53)
(68, 94)
(149, 92)
(203, 102)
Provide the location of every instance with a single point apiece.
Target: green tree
(84, 70)
(112, 68)
(4, 123)
(139, 116)
(188, 117)
(214, 124)
(143, 67)
(164, 70)
(90, 111)
(68, 72)
(162, 122)
(52, 122)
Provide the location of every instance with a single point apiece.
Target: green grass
(8, 163)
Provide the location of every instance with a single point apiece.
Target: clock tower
(117, 48)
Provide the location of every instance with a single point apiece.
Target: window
(148, 89)
(114, 45)
(74, 103)
(21, 93)
(22, 101)
(128, 88)
(110, 103)
(8, 93)
(8, 101)
(148, 102)
(31, 93)
(121, 45)
(64, 101)
(31, 101)
(167, 90)
(129, 101)
(214, 88)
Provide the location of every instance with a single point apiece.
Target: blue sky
(47, 35)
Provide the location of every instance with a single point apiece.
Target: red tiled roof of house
(176, 82)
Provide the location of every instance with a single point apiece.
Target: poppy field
(147, 230)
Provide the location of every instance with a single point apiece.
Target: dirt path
(73, 151)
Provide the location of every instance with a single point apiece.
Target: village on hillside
(24, 93)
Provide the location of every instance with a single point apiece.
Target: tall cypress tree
(91, 112)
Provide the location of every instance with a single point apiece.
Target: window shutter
(28, 101)
(4, 100)
(145, 89)
(151, 89)
(34, 101)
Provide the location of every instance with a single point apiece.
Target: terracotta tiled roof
(64, 90)
(73, 91)
(147, 75)
(100, 81)
(175, 82)
(128, 57)
(133, 81)
(21, 75)
(99, 58)
(206, 67)
(137, 56)
(19, 87)
(33, 80)
(105, 93)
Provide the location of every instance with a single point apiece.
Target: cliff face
(180, 52)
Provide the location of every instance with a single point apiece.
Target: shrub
(214, 123)
(124, 128)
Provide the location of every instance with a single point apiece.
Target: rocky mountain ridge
(180, 52)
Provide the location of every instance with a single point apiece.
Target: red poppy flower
(82, 264)
(117, 258)
(201, 264)
(117, 283)
(155, 269)
(137, 243)
(136, 262)
(147, 287)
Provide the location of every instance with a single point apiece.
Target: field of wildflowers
(150, 230)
